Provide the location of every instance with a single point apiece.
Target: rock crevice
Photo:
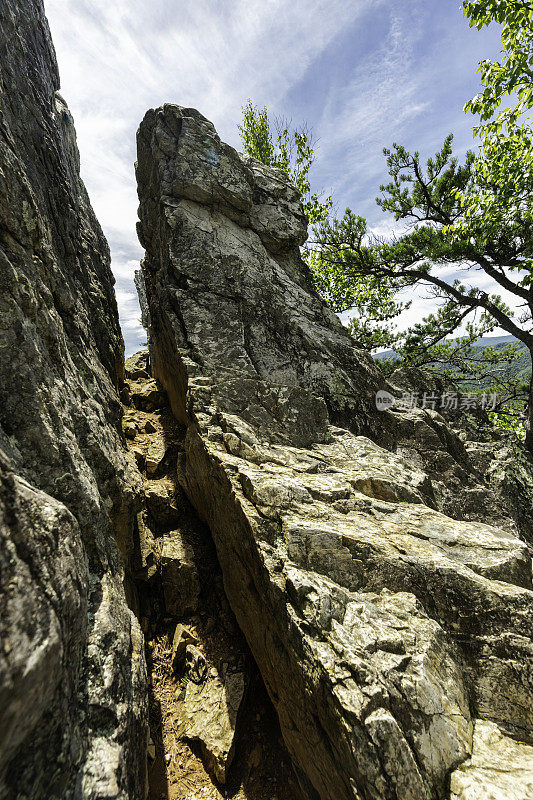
(213, 731)
(382, 627)
(367, 569)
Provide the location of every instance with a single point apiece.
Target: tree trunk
(529, 416)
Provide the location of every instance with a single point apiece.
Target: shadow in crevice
(158, 786)
(261, 768)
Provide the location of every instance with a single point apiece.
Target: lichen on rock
(377, 562)
(72, 668)
(383, 627)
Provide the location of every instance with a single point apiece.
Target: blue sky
(361, 73)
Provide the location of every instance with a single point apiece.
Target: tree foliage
(370, 300)
(463, 223)
(513, 74)
(500, 203)
(464, 219)
(436, 247)
(288, 149)
(368, 297)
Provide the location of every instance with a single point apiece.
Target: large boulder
(382, 627)
(72, 670)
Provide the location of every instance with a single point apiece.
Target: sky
(361, 74)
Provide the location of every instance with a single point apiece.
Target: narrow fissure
(213, 730)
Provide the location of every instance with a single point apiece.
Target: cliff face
(369, 559)
(394, 641)
(72, 673)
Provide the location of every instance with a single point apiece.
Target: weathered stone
(54, 610)
(143, 303)
(130, 430)
(136, 366)
(182, 637)
(144, 559)
(500, 768)
(195, 664)
(124, 394)
(155, 454)
(140, 455)
(161, 502)
(377, 621)
(209, 714)
(179, 576)
(72, 672)
(147, 395)
(149, 426)
(505, 466)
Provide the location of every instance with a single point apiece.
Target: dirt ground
(261, 769)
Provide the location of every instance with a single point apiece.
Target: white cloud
(119, 58)
(127, 301)
(381, 96)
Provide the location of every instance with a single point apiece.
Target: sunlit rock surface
(382, 627)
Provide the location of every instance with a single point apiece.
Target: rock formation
(72, 669)
(394, 639)
(210, 720)
(375, 562)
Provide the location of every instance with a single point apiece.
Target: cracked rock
(377, 610)
(181, 584)
(209, 715)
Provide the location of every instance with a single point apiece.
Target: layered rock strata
(382, 627)
(72, 669)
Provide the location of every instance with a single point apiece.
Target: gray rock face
(291, 338)
(44, 622)
(181, 585)
(72, 672)
(209, 714)
(381, 626)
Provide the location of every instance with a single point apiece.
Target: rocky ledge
(369, 569)
(394, 639)
(73, 703)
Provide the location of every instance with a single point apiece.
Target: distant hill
(484, 341)
(521, 367)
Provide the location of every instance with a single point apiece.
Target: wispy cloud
(382, 94)
(380, 64)
(117, 59)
